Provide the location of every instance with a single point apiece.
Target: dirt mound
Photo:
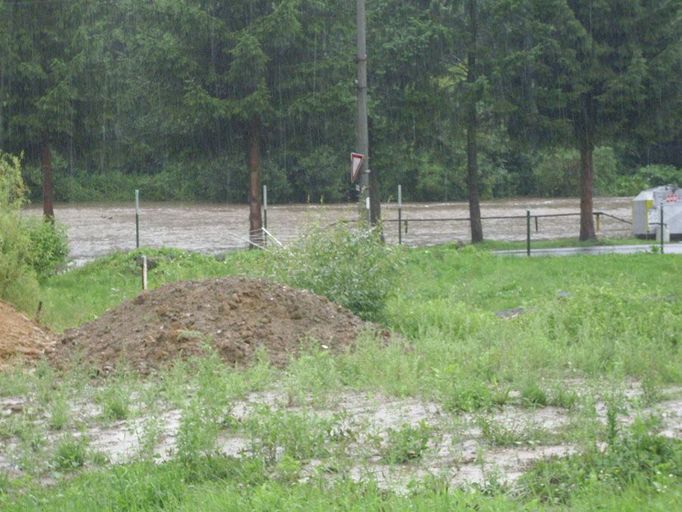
(234, 315)
(20, 337)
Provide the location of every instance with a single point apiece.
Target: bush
(49, 246)
(352, 267)
(657, 175)
(12, 189)
(18, 283)
(29, 248)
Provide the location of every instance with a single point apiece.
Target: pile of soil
(234, 315)
(20, 337)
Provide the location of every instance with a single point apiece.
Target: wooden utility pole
(367, 182)
(472, 128)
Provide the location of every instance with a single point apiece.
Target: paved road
(671, 248)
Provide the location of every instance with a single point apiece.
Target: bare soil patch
(21, 337)
(235, 316)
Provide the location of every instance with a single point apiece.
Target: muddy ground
(461, 447)
(97, 229)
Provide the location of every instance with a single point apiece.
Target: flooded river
(98, 229)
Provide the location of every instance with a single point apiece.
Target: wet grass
(589, 327)
(82, 294)
(499, 245)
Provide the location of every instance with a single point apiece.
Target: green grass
(600, 321)
(218, 483)
(80, 295)
(500, 245)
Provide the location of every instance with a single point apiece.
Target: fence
(98, 229)
(531, 221)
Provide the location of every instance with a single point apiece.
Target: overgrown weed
(407, 443)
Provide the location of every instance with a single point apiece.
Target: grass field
(497, 359)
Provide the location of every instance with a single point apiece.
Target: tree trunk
(48, 189)
(586, 182)
(585, 135)
(255, 217)
(472, 130)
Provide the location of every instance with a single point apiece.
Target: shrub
(657, 175)
(12, 189)
(352, 267)
(49, 246)
(28, 248)
(18, 284)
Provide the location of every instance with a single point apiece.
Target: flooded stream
(98, 229)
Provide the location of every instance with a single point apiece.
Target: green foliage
(637, 457)
(18, 283)
(557, 172)
(12, 188)
(71, 453)
(299, 436)
(164, 104)
(315, 369)
(533, 395)
(198, 431)
(656, 175)
(352, 267)
(648, 177)
(406, 444)
(49, 246)
(29, 248)
(59, 413)
(115, 399)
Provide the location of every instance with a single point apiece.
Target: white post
(144, 272)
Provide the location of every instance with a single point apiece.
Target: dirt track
(96, 229)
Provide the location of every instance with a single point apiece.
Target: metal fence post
(660, 230)
(400, 214)
(528, 232)
(137, 219)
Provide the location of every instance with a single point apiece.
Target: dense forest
(518, 97)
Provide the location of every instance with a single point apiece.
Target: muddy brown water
(97, 229)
